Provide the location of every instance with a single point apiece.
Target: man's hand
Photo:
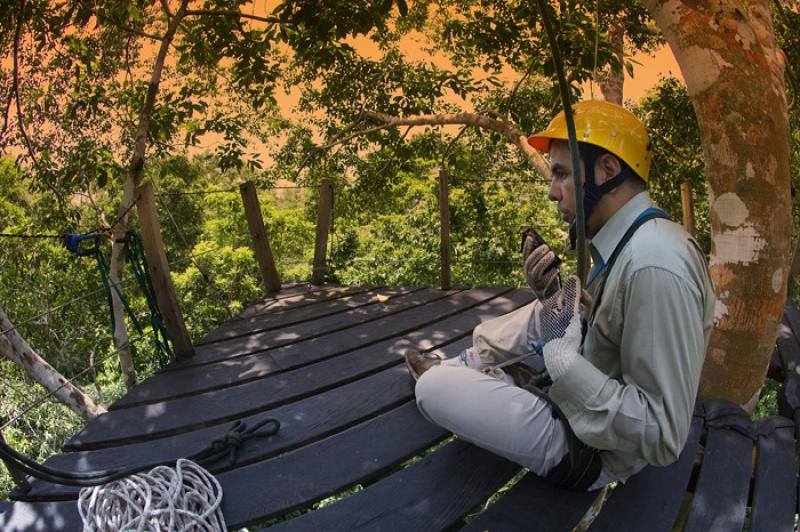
(541, 266)
(560, 323)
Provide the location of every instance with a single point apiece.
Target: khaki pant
(495, 415)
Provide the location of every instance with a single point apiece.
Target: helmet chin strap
(592, 194)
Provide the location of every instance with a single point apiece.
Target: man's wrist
(558, 357)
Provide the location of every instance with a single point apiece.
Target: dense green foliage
(82, 76)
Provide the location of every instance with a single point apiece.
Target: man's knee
(439, 387)
(430, 384)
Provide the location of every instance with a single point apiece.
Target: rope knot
(230, 442)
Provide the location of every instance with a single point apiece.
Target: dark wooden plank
(650, 500)
(296, 479)
(376, 314)
(191, 413)
(720, 497)
(305, 421)
(291, 316)
(796, 419)
(789, 348)
(308, 420)
(430, 495)
(306, 294)
(534, 506)
(248, 352)
(775, 487)
(292, 480)
(792, 316)
(272, 339)
(39, 517)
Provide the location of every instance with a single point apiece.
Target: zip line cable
(29, 235)
(59, 307)
(228, 444)
(206, 276)
(82, 372)
(573, 141)
(110, 227)
(66, 382)
(197, 192)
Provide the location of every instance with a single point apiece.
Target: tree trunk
(135, 170)
(611, 82)
(727, 54)
(17, 350)
(121, 340)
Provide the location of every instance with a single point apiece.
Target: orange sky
(647, 74)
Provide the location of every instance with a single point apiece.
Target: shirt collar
(607, 238)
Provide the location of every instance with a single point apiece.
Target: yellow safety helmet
(606, 125)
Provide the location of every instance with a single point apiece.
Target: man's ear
(607, 166)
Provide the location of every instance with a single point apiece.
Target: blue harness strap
(76, 244)
(646, 215)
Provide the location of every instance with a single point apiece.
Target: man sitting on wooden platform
(622, 394)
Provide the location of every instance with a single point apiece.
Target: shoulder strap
(645, 216)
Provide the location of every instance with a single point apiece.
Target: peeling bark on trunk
(516, 136)
(727, 54)
(17, 350)
(135, 170)
(611, 83)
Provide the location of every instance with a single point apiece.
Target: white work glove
(541, 267)
(561, 330)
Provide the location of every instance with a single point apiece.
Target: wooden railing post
(323, 227)
(444, 225)
(258, 234)
(19, 478)
(687, 204)
(159, 271)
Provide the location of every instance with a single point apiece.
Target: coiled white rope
(186, 497)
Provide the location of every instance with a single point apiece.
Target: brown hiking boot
(418, 362)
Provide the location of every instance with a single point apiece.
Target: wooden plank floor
(327, 362)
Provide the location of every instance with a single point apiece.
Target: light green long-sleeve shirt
(632, 393)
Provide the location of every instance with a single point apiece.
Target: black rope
(134, 256)
(456, 180)
(197, 192)
(572, 139)
(28, 235)
(228, 444)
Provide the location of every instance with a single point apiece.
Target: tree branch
(391, 159)
(509, 131)
(165, 8)
(450, 144)
(342, 140)
(15, 85)
(235, 14)
(505, 109)
(14, 91)
(123, 27)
